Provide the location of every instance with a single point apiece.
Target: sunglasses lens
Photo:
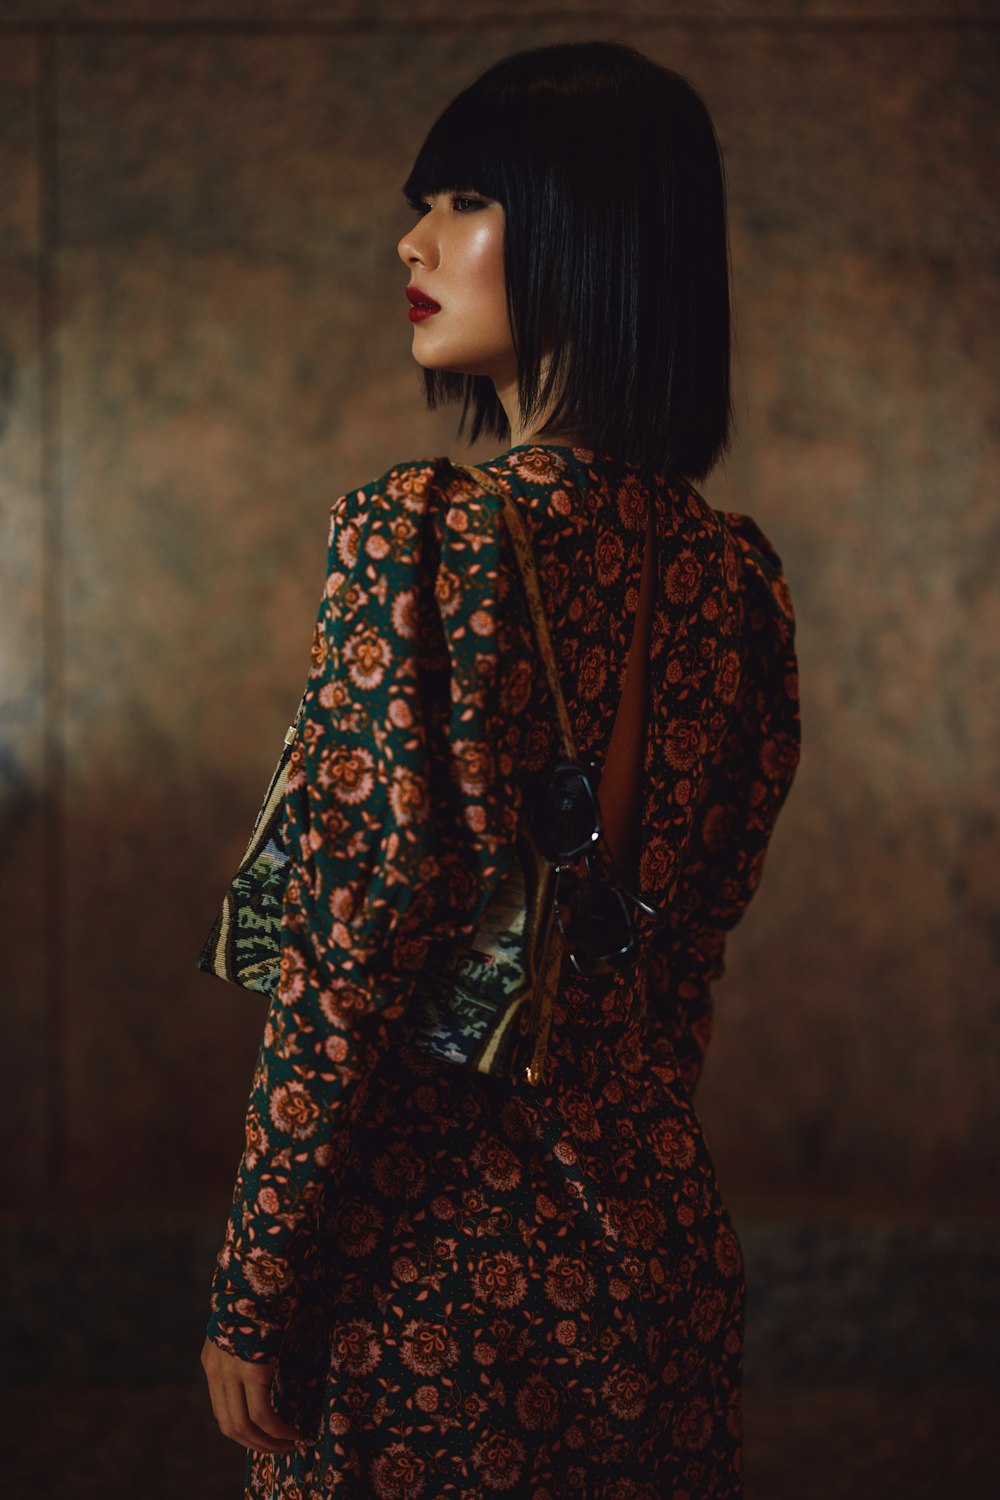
(564, 814)
(599, 930)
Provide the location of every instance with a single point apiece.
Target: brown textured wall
(204, 341)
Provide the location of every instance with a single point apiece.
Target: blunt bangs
(611, 179)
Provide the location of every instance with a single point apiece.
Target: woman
(436, 1283)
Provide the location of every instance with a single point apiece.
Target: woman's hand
(241, 1401)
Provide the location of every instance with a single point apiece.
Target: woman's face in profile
(454, 254)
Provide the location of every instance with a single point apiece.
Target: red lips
(421, 299)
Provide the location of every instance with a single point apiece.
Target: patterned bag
(486, 1005)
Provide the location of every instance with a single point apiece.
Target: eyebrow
(428, 193)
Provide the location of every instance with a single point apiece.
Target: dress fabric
(474, 1287)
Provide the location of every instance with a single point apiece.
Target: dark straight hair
(612, 183)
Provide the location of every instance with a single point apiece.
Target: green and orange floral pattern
(472, 1287)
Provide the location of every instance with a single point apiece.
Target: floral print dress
(475, 1287)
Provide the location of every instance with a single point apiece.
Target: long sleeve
(423, 710)
(746, 784)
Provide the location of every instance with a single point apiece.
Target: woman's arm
(421, 714)
(746, 784)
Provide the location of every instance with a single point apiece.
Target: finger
(217, 1399)
(239, 1425)
(242, 1428)
(263, 1414)
(213, 1375)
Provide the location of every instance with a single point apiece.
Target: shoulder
(402, 502)
(423, 524)
(414, 486)
(751, 539)
(763, 569)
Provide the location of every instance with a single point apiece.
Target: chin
(449, 367)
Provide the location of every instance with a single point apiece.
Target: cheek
(484, 263)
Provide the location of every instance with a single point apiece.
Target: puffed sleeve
(748, 780)
(424, 709)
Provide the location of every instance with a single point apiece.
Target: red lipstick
(422, 305)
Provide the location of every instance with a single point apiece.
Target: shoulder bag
(485, 1005)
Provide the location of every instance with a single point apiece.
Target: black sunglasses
(565, 820)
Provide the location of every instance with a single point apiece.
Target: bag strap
(525, 556)
(554, 942)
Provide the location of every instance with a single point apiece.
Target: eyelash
(420, 207)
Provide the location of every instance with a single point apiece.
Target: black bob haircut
(611, 179)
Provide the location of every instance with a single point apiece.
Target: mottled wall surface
(204, 341)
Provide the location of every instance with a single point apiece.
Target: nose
(413, 248)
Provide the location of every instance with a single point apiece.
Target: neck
(528, 432)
